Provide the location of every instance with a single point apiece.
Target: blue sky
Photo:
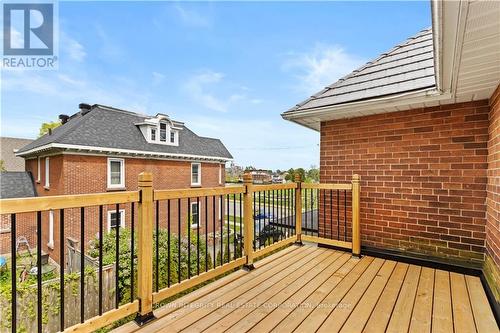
(227, 69)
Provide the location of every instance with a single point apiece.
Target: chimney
(63, 118)
(84, 108)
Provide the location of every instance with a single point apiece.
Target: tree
(313, 174)
(44, 129)
(2, 165)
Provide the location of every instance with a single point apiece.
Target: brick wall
(492, 266)
(79, 174)
(423, 177)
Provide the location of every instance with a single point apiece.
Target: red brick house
(103, 149)
(420, 124)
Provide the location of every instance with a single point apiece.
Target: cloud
(74, 49)
(158, 78)
(324, 65)
(200, 88)
(192, 18)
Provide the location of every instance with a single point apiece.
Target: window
(195, 215)
(47, 172)
(153, 134)
(112, 219)
(195, 174)
(51, 229)
(172, 137)
(163, 132)
(116, 173)
(39, 173)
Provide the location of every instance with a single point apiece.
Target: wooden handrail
(326, 186)
(26, 205)
(271, 187)
(197, 192)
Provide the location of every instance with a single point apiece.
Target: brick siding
(423, 177)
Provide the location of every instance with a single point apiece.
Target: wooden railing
(220, 228)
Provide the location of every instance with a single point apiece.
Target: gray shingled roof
(7, 155)
(16, 185)
(407, 67)
(113, 128)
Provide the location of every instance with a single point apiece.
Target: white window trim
(47, 172)
(39, 174)
(122, 172)
(220, 174)
(198, 183)
(50, 243)
(122, 218)
(194, 225)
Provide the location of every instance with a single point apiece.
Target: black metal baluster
(213, 231)
(13, 271)
(260, 225)
(305, 211)
(132, 226)
(312, 213)
(157, 252)
(254, 223)
(189, 238)
(324, 209)
(228, 230)
(168, 243)
(265, 216)
(222, 217)
(117, 259)
(331, 215)
(241, 227)
(179, 240)
(198, 235)
(101, 236)
(61, 268)
(345, 216)
(234, 226)
(280, 207)
(206, 234)
(338, 215)
(82, 264)
(39, 268)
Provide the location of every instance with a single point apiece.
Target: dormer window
(153, 134)
(172, 137)
(163, 132)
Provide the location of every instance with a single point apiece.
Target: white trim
(47, 172)
(220, 174)
(51, 229)
(121, 151)
(122, 172)
(122, 218)
(195, 225)
(38, 170)
(198, 183)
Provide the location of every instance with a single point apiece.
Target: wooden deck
(311, 289)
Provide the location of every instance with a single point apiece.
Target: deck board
(311, 289)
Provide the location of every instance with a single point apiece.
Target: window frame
(172, 137)
(166, 130)
(198, 183)
(39, 171)
(121, 185)
(50, 242)
(47, 173)
(195, 225)
(122, 218)
(152, 134)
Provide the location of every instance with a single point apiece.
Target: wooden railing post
(248, 220)
(298, 209)
(145, 248)
(356, 228)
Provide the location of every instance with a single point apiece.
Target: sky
(226, 69)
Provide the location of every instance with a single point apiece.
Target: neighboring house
(104, 149)
(421, 125)
(16, 184)
(234, 173)
(261, 176)
(8, 149)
